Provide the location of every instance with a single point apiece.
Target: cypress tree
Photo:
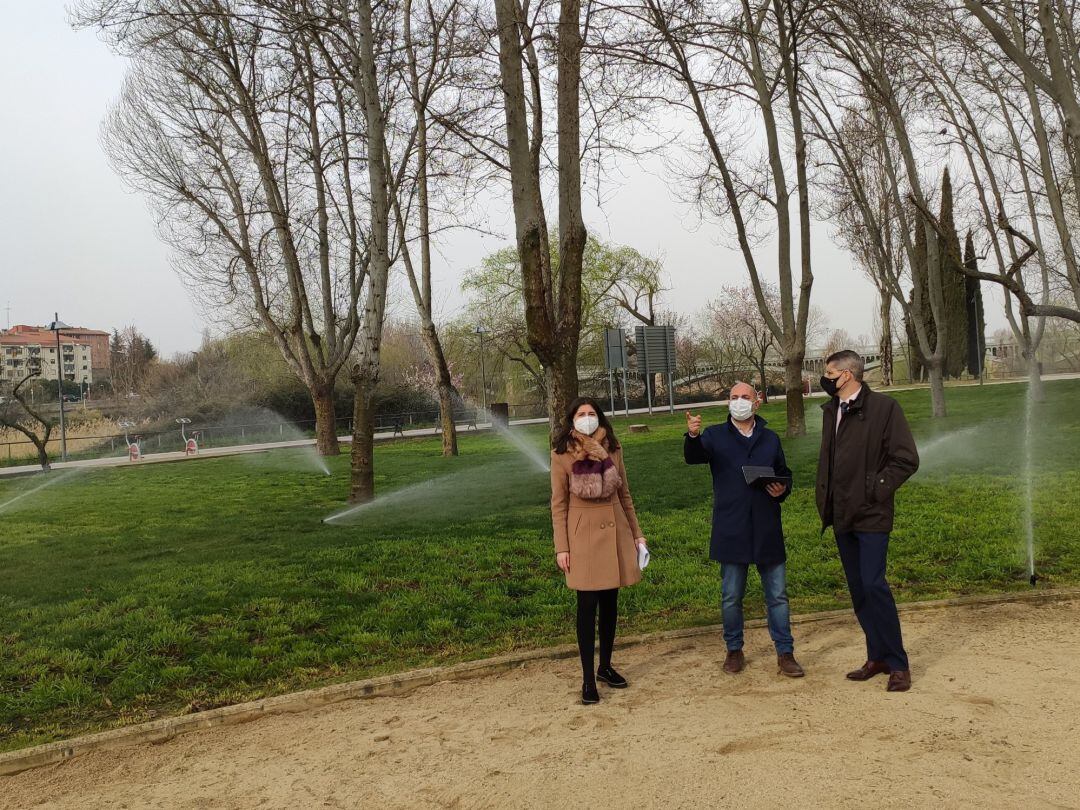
(976, 322)
(920, 279)
(953, 284)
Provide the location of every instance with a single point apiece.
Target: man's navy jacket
(746, 526)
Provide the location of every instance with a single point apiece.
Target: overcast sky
(75, 241)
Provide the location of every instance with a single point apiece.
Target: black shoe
(589, 694)
(611, 678)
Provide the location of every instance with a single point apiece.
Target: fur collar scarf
(593, 475)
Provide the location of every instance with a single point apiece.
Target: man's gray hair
(847, 359)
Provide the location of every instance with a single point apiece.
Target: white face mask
(741, 409)
(586, 425)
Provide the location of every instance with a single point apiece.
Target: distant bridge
(813, 364)
(996, 351)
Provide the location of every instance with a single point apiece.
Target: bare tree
(740, 66)
(439, 42)
(250, 156)
(873, 47)
(988, 117)
(1039, 38)
(19, 415)
(552, 305)
(736, 320)
(862, 205)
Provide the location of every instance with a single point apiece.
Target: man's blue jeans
(774, 583)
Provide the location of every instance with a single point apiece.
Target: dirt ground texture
(993, 720)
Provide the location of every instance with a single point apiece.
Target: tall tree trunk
(446, 418)
(793, 391)
(445, 387)
(936, 371)
(42, 452)
(562, 385)
(326, 440)
(765, 382)
(365, 372)
(362, 458)
(885, 348)
(1036, 388)
(572, 233)
(552, 316)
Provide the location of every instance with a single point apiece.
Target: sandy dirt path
(993, 721)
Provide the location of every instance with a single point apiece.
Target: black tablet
(760, 476)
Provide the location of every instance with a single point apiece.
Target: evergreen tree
(924, 313)
(976, 321)
(953, 284)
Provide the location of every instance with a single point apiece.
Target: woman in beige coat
(596, 532)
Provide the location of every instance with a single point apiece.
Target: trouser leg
(774, 584)
(609, 616)
(586, 633)
(880, 604)
(851, 557)
(733, 589)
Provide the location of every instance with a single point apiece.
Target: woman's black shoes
(611, 678)
(589, 694)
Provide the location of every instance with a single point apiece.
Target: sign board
(655, 349)
(614, 349)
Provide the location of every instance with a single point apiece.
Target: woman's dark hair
(562, 437)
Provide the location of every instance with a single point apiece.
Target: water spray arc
(48, 482)
(448, 486)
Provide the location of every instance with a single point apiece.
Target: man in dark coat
(746, 527)
(867, 452)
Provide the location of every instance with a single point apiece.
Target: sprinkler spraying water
(49, 481)
(522, 445)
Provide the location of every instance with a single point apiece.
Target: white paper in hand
(643, 556)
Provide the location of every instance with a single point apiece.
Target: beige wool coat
(599, 534)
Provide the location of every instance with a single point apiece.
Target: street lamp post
(481, 331)
(57, 326)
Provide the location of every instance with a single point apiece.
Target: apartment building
(97, 340)
(29, 348)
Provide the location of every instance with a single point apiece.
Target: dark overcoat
(746, 525)
(863, 462)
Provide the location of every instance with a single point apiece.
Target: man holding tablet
(750, 481)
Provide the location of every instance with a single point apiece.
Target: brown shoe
(899, 680)
(868, 671)
(734, 662)
(789, 666)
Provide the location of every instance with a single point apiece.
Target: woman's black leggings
(587, 603)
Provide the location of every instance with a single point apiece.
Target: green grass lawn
(132, 593)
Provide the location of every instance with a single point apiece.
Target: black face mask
(830, 386)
